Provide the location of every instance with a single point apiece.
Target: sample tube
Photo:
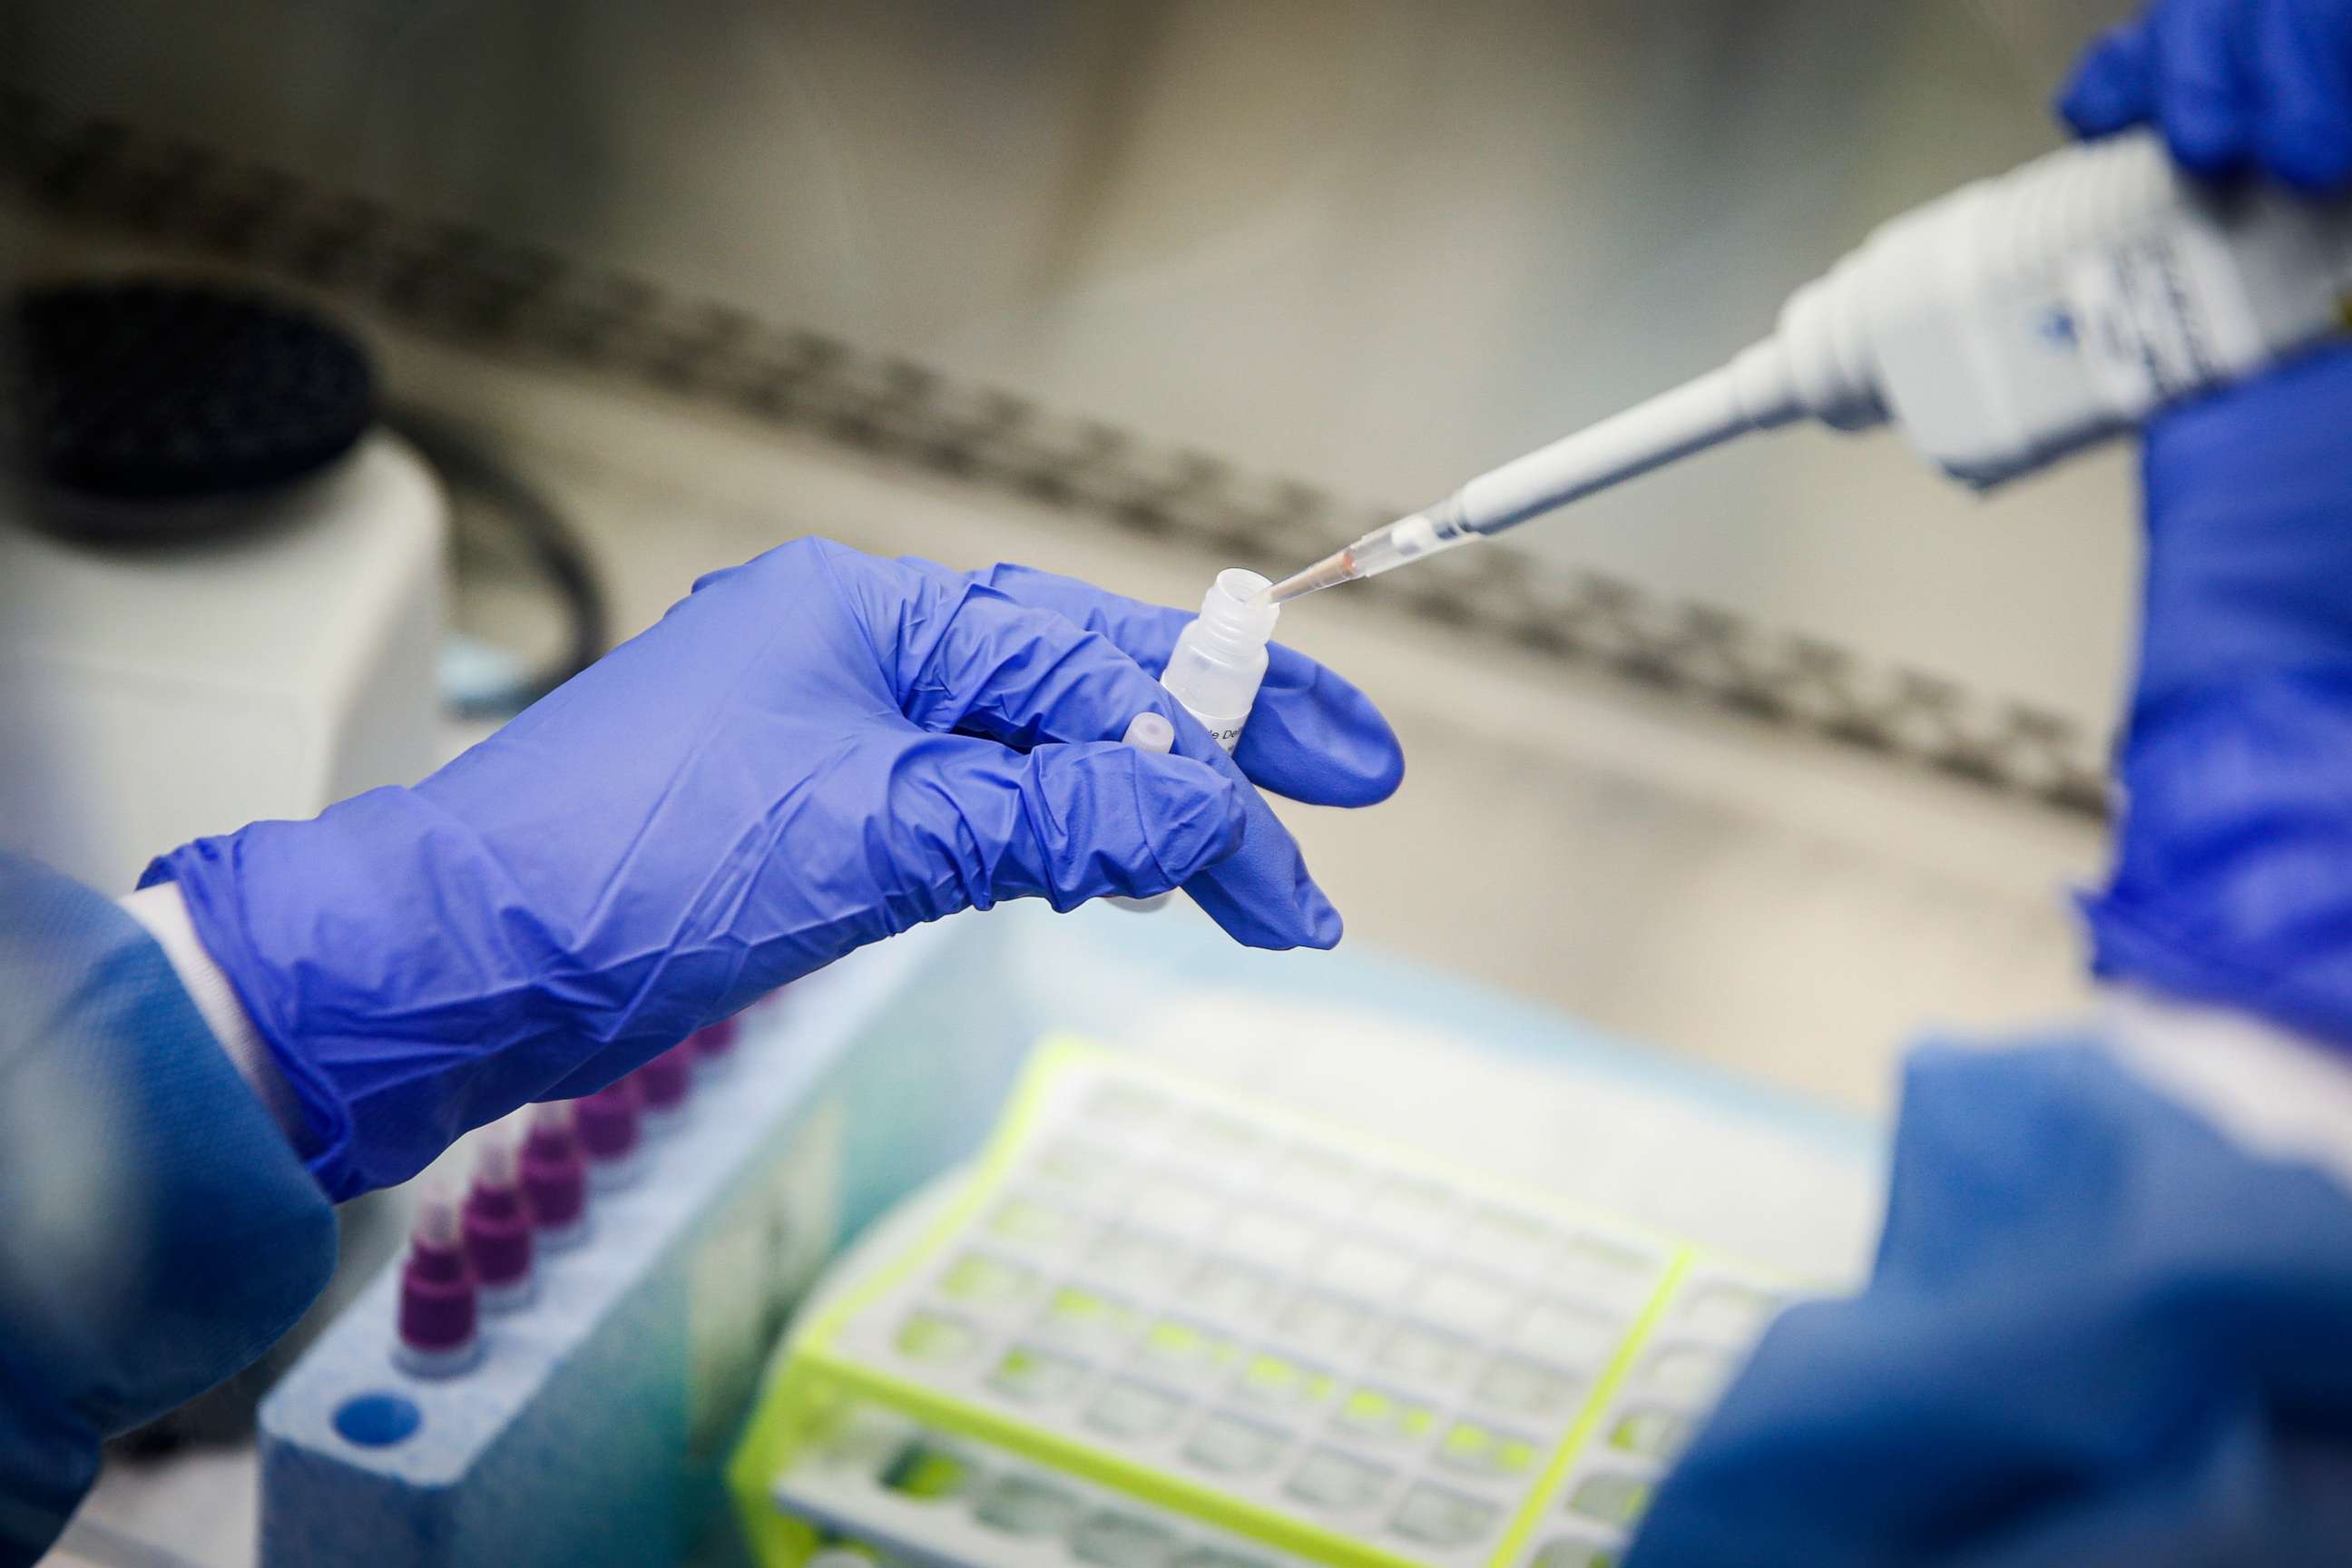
(606, 1121)
(1220, 656)
(497, 1226)
(438, 1305)
(662, 1085)
(714, 1044)
(555, 1177)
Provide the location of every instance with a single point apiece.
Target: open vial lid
(1235, 605)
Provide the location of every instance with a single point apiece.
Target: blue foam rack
(593, 1429)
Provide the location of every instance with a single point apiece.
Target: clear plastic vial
(1220, 656)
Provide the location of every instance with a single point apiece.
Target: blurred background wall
(1377, 243)
(1372, 244)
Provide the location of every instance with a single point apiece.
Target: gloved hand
(810, 753)
(2232, 880)
(2100, 1334)
(2235, 85)
(2232, 874)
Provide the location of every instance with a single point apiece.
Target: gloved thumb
(1070, 823)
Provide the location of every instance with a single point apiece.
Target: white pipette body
(2003, 326)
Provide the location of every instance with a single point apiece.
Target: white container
(1220, 656)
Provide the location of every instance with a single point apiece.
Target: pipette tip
(1332, 571)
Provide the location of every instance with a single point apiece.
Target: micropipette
(2003, 326)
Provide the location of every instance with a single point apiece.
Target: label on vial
(1225, 730)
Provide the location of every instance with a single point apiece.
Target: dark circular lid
(157, 390)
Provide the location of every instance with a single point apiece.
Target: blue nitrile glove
(1311, 737)
(810, 753)
(2235, 85)
(2100, 1334)
(2232, 877)
(2233, 871)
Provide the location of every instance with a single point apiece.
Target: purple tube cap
(437, 1308)
(606, 1121)
(663, 1082)
(497, 1236)
(554, 1178)
(717, 1039)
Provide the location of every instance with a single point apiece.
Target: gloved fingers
(1312, 736)
(2113, 85)
(970, 658)
(2248, 551)
(1262, 894)
(2302, 60)
(2276, 441)
(2205, 95)
(1063, 823)
(1315, 739)
(1068, 823)
(977, 661)
(2230, 84)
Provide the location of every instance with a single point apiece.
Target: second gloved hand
(812, 752)
(2235, 86)
(2233, 881)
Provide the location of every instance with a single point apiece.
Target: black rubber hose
(548, 537)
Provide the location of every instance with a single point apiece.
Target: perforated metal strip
(467, 283)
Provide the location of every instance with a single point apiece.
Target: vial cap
(1150, 731)
(606, 1121)
(663, 1082)
(1235, 605)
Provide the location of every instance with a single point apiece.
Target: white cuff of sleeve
(2272, 1092)
(164, 913)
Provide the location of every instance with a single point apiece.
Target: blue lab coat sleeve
(2098, 1333)
(156, 1231)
